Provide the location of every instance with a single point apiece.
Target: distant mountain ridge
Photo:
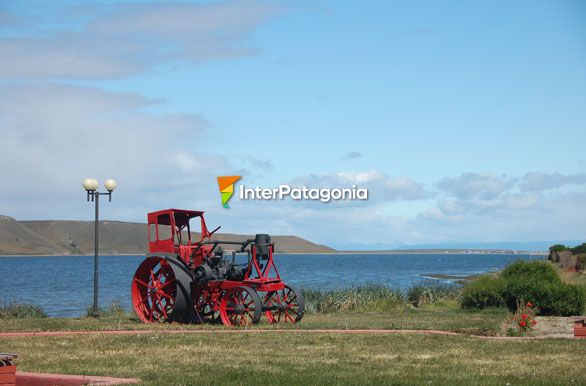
(532, 246)
(62, 237)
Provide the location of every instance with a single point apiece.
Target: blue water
(63, 285)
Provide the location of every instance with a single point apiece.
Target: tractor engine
(217, 267)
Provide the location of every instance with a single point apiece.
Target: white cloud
(479, 194)
(535, 181)
(380, 186)
(121, 40)
(52, 136)
(475, 186)
(351, 155)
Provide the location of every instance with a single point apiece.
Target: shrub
(563, 300)
(483, 292)
(579, 249)
(553, 299)
(531, 271)
(558, 248)
(21, 311)
(526, 281)
(430, 294)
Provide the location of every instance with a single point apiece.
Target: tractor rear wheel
(286, 305)
(240, 306)
(161, 291)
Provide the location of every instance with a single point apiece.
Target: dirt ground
(554, 327)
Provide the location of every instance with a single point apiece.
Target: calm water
(63, 285)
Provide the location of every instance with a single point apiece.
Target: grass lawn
(447, 317)
(297, 358)
(294, 358)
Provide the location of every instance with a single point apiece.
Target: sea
(63, 285)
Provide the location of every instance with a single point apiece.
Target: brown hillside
(17, 239)
(77, 237)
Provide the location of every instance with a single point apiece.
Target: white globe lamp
(90, 184)
(110, 184)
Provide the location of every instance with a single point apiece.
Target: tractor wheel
(287, 305)
(161, 291)
(240, 306)
(205, 310)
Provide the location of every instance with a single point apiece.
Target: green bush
(532, 271)
(558, 248)
(579, 249)
(551, 299)
(522, 282)
(21, 311)
(422, 295)
(483, 292)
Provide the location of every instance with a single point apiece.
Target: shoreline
(398, 252)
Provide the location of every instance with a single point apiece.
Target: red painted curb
(258, 331)
(40, 379)
(143, 332)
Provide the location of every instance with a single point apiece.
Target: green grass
(292, 358)
(445, 317)
(299, 358)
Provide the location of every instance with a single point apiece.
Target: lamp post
(91, 187)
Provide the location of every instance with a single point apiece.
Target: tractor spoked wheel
(286, 305)
(240, 306)
(154, 290)
(205, 311)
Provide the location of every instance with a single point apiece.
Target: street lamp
(91, 187)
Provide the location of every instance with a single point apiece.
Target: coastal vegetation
(569, 258)
(537, 282)
(15, 310)
(560, 248)
(378, 298)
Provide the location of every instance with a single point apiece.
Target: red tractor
(188, 277)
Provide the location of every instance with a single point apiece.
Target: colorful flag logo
(226, 184)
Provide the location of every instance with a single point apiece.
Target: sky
(465, 120)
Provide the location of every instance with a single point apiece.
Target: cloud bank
(117, 41)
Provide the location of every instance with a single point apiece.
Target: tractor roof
(182, 216)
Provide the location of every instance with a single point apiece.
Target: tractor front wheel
(240, 306)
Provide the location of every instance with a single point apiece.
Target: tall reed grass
(376, 298)
(15, 310)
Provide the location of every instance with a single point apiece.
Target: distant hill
(18, 239)
(116, 237)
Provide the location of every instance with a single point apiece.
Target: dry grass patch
(291, 358)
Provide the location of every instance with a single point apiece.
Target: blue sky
(465, 119)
